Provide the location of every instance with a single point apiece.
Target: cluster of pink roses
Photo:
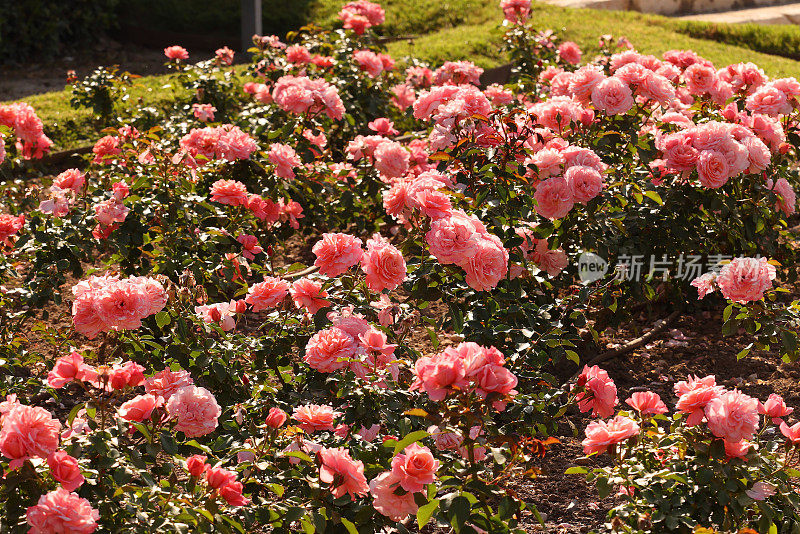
(219, 481)
(66, 186)
(234, 193)
(28, 128)
(373, 64)
(449, 106)
(361, 15)
(352, 343)
(381, 262)
(300, 94)
(73, 368)
(9, 226)
(104, 303)
(466, 367)
(742, 280)
(226, 142)
(516, 11)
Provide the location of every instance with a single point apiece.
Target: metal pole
(251, 22)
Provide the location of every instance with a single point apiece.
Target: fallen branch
(302, 273)
(658, 327)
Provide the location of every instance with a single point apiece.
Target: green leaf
(299, 454)
(459, 512)
(351, 528)
(409, 439)
(575, 471)
(163, 319)
(573, 356)
(425, 512)
(655, 197)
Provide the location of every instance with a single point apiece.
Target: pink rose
(65, 470)
(230, 192)
(176, 52)
(315, 417)
(415, 467)
(298, 54)
(732, 416)
(330, 350)
(383, 264)
(453, 239)
(69, 368)
(600, 435)
(570, 52)
(775, 408)
(71, 179)
(139, 408)
(488, 265)
(585, 183)
(196, 465)
(438, 375)
(285, 160)
(713, 169)
(647, 402)
(27, 432)
(761, 490)
(553, 198)
(336, 253)
(792, 433)
(338, 467)
(195, 409)
(385, 499)
(746, 279)
(694, 395)
(267, 294)
(63, 512)
(600, 392)
(705, 284)
(613, 96)
(276, 417)
(166, 382)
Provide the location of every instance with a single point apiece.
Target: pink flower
(251, 246)
(130, 374)
(732, 416)
(166, 383)
(309, 294)
(600, 435)
(120, 190)
(440, 374)
(284, 158)
(458, 73)
(298, 54)
(330, 350)
(570, 52)
(224, 55)
(415, 467)
(195, 409)
(792, 433)
(276, 417)
(71, 179)
(383, 264)
(775, 408)
(267, 294)
(337, 467)
(230, 192)
(585, 183)
(516, 10)
(336, 253)
(176, 52)
(140, 408)
(383, 126)
(647, 402)
(746, 279)
(761, 490)
(404, 96)
(220, 313)
(369, 62)
(600, 395)
(713, 169)
(65, 470)
(69, 368)
(454, 239)
(488, 265)
(738, 449)
(769, 101)
(694, 395)
(196, 465)
(553, 198)
(700, 78)
(28, 431)
(613, 96)
(705, 284)
(110, 211)
(203, 112)
(787, 200)
(391, 159)
(369, 434)
(315, 417)
(61, 511)
(387, 502)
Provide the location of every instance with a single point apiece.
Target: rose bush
(338, 292)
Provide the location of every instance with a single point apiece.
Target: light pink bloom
(61, 511)
(732, 416)
(775, 408)
(695, 394)
(330, 350)
(600, 395)
(176, 52)
(230, 192)
(276, 417)
(27, 432)
(309, 294)
(65, 470)
(203, 112)
(647, 402)
(383, 264)
(336, 253)
(140, 408)
(746, 279)
(570, 52)
(600, 435)
(267, 294)
(415, 467)
(553, 198)
(166, 383)
(613, 96)
(285, 159)
(339, 468)
(391, 159)
(387, 502)
(315, 417)
(488, 265)
(705, 284)
(585, 183)
(72, 179)
(792, 433)
(195, 410)
(761, 490)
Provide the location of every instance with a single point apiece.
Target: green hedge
(778, 40)
(48, 28)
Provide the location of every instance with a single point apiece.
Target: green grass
(470, 29)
